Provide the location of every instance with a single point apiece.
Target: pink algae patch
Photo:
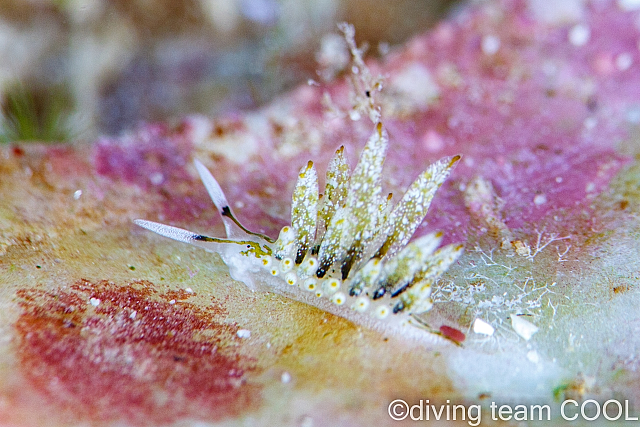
(540, 118)
(152, 156)
(155, 158)
(106, 352)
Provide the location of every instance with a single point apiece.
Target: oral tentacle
(212, 244)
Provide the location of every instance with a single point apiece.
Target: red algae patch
(452, 334)
(108, 352)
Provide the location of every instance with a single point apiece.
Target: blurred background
(75, 69)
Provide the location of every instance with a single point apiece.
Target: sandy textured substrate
(104, 323)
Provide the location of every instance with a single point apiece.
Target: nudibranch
(346, 251)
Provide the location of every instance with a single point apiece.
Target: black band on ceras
(400, 290)
(379, 293)
(347, 264)
(300, 255)
(325, 265)
(355, 292)
(398, 307)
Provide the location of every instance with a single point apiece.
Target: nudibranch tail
(347, 251)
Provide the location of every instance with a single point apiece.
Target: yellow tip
(309, 166)
(379, 128)
(454, 160)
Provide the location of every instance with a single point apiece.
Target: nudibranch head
(347, 251)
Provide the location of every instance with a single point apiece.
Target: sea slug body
(346, 251)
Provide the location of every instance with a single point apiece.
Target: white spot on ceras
(291, 278)
(332, 285)
(286, 265)
(94, 302)
(381, 312)
(361, 304)
(77, 194)
(579, 35)
(310, 284)
(243, 333)
(285, 377)
(338, 298)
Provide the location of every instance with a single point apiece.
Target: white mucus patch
(348, 252)
(523, 327)
(483, 328)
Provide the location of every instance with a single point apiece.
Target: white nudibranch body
(347, 252)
